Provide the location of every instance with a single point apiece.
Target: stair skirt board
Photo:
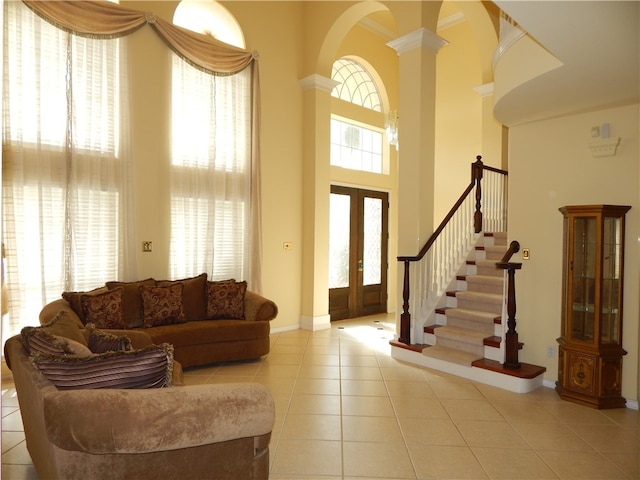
(497, 379)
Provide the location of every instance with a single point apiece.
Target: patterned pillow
(162, 305)
(194, 295)
(101, 342)
(149, 367)
(104, 309)
(131, 302)
(74, 299)
(225, 299)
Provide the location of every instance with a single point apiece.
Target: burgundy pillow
(104, 309)
(225, 299)
(162, 305)
(74, 299)
(131, 302)
(194, 295)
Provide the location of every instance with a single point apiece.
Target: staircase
(467, 337)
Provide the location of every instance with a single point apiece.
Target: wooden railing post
(511, 336)
(476, 172)
(405, 317)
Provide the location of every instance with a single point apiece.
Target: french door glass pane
(339, 231)
(372, 240)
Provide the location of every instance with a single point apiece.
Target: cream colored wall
(551, 167)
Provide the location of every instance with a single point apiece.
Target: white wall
(550, 166)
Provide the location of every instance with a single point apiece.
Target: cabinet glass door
(583, 279)
(611, 279)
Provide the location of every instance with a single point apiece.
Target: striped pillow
(149, 367)
(101, 342)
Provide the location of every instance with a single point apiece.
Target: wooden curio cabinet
(590, 347)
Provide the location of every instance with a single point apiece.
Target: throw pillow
(104, 309)
(194, 295)
(101, 342)
(40, 338)
(162, 305)
(74, 299)
(149, 367)
(38, 341)
(131, 301)
(225, 299)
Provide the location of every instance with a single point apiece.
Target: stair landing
(523, 380)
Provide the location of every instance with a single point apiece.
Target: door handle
(360, 265)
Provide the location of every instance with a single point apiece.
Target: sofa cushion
(131, 301)
(162, 305)
(101, 342)
(149, 367)
(225, 299)
(104, 309)
(40, 339)
(75, 300)
(209, 332)
(194, 295)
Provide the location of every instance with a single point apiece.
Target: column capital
(418, 38)
(319, 82)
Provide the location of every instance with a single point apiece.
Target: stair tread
(450, 355)
(481, 296)
(469, 314)
(461, 333)
(484, 279)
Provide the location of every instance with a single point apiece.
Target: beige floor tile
(307, 457)
(608, 438)
(629, 463)
(312, 427)
(278, 386)
(317, 386)
(625, 417)
(11, 439)
(468, 409)
(409, 389)
(358, 361)
(386, 460)
(418, 408)
(323, 349)
(402, 373)
(319, 371)
(551, 436)
(371, 429)
(581, 465)
(316, 359)
(12, 422)
(513, 463)
(480, 433)
(9, 396)
(445, 462)
(364, 387)
(513, 411)
(315, 404)
(573, 413)
(367, 406)
(430, 431)
(19, 472)
(456, 390)
(17, 455)
(360, 373)
(283, 359)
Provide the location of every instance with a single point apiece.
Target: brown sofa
(219, 431)
(198, 339)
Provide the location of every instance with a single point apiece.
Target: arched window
(355, 144)
(209, 18)
(356, 85)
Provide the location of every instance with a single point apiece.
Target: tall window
(356, 145)
(211, 167)
(64, 178)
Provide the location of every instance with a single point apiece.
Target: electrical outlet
(551, 351)
(147, 246)
(287, 246)
(526, 254)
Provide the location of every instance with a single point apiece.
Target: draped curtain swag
(99, 19)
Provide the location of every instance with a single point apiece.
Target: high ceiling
(598, 44)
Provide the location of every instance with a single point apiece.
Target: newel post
(405, 317)
(476, 174)
(511, 336)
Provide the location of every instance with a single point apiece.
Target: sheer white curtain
(65, 175)
(211, 173)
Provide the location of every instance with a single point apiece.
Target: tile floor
(346, 410)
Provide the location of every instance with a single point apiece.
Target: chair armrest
(140, 421)
(258, 308)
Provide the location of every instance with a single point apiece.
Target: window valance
(103, 19)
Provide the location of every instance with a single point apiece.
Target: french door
(358, 242)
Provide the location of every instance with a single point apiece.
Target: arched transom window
(356, 85)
